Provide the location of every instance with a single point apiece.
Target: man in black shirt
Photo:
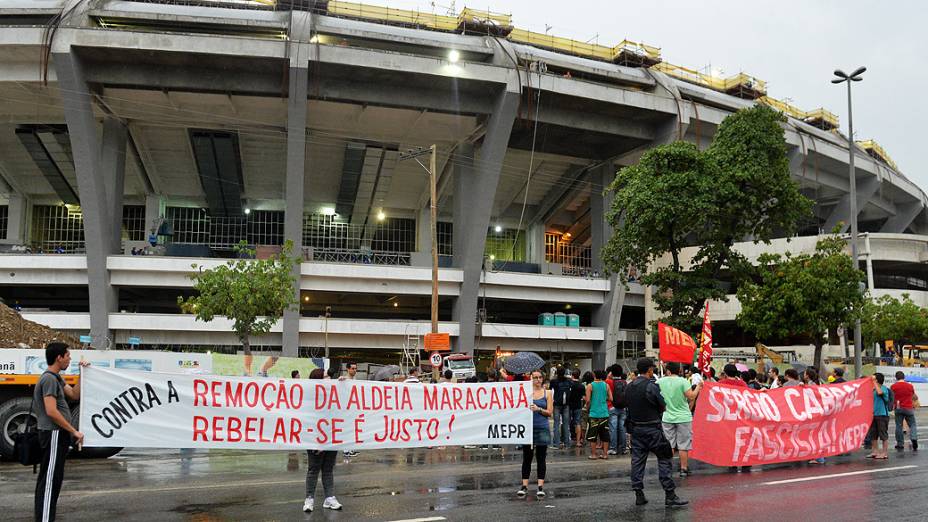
(645, 409)
(575, 404)
(561, 386)
(53, 419)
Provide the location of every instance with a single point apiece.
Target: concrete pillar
(600, 203)
(423, 254)
(113, 170)
(609, 313)
(535, 243)
(153, 214)
(16, 229)
(866, 189)
(91, 182)
(295, 200)
(905, 215)
(474, 190)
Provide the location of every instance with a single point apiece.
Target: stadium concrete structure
(207, 123)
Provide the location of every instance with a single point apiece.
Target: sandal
(882, 457)
(871, 456)
(592, 457)
(603, 457)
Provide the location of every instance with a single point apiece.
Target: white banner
(161, 410)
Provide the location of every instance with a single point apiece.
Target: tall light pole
(849, 79)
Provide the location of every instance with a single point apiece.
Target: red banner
(675, 345)
(735, 426)
(705, 352)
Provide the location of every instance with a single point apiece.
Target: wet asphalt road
(472, 484)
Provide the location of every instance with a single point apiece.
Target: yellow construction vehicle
(764, 352)
(914, 355)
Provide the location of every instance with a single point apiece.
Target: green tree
(888, 318)
(253, 293)
(806, 294)
(676, 197)
(658, 210)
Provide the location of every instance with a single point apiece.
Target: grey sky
(792, 45)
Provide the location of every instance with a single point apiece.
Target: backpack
(618, 393)
(889, 398)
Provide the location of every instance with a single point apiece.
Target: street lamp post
(841, 77)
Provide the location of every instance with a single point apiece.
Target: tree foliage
(806, 294)
(888, 318)
(253, 293)
(677, 196)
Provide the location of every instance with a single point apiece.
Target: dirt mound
(16, 332)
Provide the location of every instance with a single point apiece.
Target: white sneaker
(331, 503)
(308, 505)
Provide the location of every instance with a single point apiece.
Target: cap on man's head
(644, 364)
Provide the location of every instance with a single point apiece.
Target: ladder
(410, 350)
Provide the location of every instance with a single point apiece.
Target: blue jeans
(617, 429)
(909, 417)
(561, 424)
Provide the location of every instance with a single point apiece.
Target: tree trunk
(246, 345)
(817, 362)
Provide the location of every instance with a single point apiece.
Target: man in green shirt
(677, 421)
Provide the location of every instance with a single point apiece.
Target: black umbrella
(523, 362)
(386, 373)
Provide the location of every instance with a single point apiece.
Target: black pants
(55, 445)
(650, 439)
(538, 451)
(321, 461)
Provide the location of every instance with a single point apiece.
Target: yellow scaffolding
(741, 85)
(475, 21)
(875, 150)
(394, 16)
(820, 117)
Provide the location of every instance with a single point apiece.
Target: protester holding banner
(542, 409)
(645, 409)
(53, 415)
(732, 376)
(677, 421)
(323, 461)
(879, 429)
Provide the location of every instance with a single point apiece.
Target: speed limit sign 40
(435, 359)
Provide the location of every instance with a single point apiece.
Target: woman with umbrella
(542, 407)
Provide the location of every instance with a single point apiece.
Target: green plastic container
(560, 319)
(545, 319)
(573, 320)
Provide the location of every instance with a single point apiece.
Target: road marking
(835, 475)
(179, 488)
(427, 519)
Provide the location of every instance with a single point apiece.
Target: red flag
(705, 352)
(675, 345)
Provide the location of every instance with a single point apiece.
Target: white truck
(461, 366)
(20, 369)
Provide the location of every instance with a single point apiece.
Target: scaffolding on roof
(740, 85)
(876, 151)
(821, 118)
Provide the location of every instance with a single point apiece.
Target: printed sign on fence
(161, 410)
(739, 427)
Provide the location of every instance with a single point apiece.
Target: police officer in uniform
(645, 408)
